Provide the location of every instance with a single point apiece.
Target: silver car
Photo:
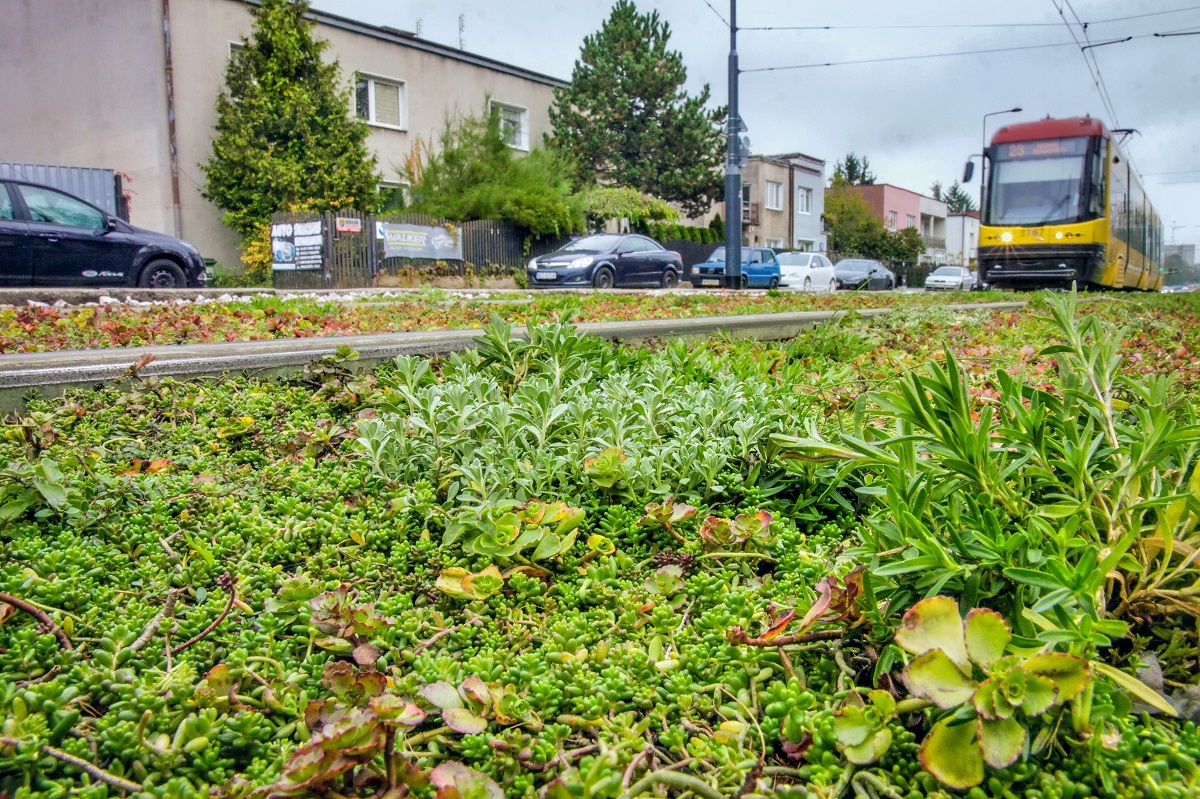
(950, 278)
(808, 271)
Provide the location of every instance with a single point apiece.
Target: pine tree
(853, 170)
(284, 134)
(625, 119)
(957, 199)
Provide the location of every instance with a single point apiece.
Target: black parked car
(863, 273)
(605, 260)
(49, 238)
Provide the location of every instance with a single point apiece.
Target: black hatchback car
(50, 238)
(605, 260)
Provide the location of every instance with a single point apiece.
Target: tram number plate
(710, 282)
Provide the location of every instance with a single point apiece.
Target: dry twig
(47, 622)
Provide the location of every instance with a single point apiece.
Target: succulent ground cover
(40, 328)
(927, 554)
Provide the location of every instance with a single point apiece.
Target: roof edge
(407, 39)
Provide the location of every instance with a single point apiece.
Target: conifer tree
(285, 137)
(625, 119)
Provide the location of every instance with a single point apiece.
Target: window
(55, 208)
(235, 48)
(891, 220)
(6, 206)
(773, 243)
(650, 245)
(803, 200)
(756, 256)
(774, 196)
(514, 125)
(391, 197)
(911, 221)
(380, 101)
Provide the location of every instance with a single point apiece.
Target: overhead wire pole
(733, 166)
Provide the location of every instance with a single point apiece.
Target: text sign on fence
(297, 245)
(419, 241)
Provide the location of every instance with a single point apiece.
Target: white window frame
(910, 221)
(371, 80)
(775, 244)
(523, 144)
(804, 197)
(891, 220)
(234, 47)
(773, 196)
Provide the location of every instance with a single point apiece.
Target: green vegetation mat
(928, 554)
(40, 329)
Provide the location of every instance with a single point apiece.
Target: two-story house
(132, 86)
(783, 199)
(899, 208)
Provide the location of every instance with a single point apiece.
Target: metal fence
(491, 248)
(100, 187)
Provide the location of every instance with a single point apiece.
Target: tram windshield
(1037, 183)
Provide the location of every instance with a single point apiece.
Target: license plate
(710, 282)
(547, 275)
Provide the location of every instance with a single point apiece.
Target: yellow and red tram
(1063, 204)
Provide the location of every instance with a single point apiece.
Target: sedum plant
(506, 530)
(992, 697)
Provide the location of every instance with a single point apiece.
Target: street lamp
(983, 150)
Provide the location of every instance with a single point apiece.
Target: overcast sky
(916, 120)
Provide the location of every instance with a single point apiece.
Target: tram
(1063, 205)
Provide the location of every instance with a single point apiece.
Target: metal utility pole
(733, 166)
(983, 154)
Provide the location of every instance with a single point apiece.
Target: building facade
(962, 238)
(120, 73)
(899, 208)
(783, 200)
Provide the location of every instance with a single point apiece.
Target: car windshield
(855, 265)
(1037, 183)
(948, 270)
(592, 244)
(718, 256)
(794, 258)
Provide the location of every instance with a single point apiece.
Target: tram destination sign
(1043, 148)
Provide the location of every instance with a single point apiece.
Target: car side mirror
(110, 223)
(968, 172)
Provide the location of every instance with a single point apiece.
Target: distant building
(89, 84)
(1185, 251)
(962, 238)
(783, 199)
(899, 208)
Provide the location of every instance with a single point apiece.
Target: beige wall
(83, 86)
(772, 225)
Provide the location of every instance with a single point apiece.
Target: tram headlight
(1006, 237)
(1058, 235)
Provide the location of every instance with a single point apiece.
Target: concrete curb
(51, 373)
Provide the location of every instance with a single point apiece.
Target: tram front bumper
(1011, 266)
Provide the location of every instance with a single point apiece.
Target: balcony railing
(934, 243)
(749, 213)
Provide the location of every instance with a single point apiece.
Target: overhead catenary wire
(913, 57)
(949, 26)
(718, 13)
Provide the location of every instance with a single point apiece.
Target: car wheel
(833, 287)
(603, 278)
(774, 284)
(808, 284)
(162, 275)
(669, 279)
(745, 282)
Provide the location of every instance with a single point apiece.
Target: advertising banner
(419, 241)
(297, 246)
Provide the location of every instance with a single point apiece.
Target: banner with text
(297, 245)
(419, 241)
